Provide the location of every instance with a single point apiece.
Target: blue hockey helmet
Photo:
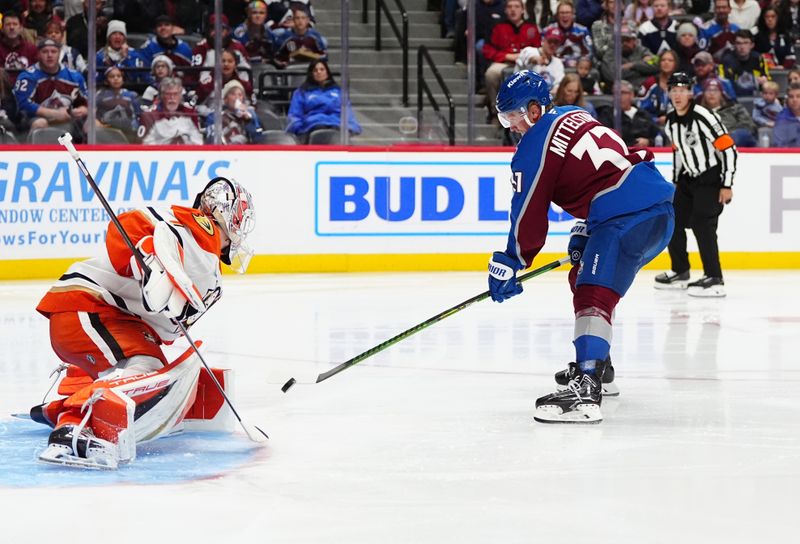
(516, 92)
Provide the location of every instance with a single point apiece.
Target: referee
(704, 158)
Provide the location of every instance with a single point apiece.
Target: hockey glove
(166, 287)
(577, 242)
(503, 282)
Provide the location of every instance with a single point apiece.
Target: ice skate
(672, 281)
(610, 389)
(578, 402)
(707, 287)
(68, 446)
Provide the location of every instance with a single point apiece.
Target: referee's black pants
(697, 207)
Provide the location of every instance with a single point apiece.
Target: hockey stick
(253, 433)
(425, 324)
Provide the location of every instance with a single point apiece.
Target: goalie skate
(610, 389)
(83, 451)
(579, 402)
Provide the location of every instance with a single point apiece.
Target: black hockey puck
(288, 385)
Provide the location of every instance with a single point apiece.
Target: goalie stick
(416, 328)
(253, 433)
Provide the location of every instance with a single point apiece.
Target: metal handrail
(422, 53)
(401, 36)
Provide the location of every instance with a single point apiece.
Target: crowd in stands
(160, 89)
(731, 47)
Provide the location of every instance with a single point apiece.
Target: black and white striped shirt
(700, 142)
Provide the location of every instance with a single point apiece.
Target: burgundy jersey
(568, 158)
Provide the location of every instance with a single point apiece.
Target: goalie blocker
(120, 412)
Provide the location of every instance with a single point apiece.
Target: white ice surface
(433, 440)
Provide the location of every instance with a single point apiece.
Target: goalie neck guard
(231, 206)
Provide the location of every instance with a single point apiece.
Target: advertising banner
(340, 202)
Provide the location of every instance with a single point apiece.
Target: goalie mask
(231, 206)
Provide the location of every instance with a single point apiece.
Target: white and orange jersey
(95, 284)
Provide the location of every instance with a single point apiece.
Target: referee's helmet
(519, 90)
(679, 79)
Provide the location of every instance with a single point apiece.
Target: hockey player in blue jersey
(567, 158)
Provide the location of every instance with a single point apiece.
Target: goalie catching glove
(165, 286)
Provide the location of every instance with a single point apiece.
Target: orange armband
(723, 142)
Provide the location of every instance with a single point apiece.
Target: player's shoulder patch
(203, 229)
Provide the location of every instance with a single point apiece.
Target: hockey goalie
(109, 320)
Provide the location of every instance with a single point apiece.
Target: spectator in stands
(661, 32)
(540, 12)
(116, 106)
(603, 29)
(301, 44)
(687, 47)
(50, 95)
(205, 91)
(507, 39)
(767, 107)
(791, 8)
(704, 68)
(161, 67)
(40, 12)
(9, 119)
(744, 13)
(70, 57)
(7, 6)
(140, 14)
(576, 41)
(164, 42)
(316, 104)
(240, 124)
(544, 60)
(787, 126)
(743, 66)
(637, 12)
(570, 93)
(234, 11)
(719, 33)
(656, 99)
(118, 53)
(773, 41)
(487, 14)
(693, 7)
(734, 116)
(255, 35)
(638, 128)
(204, 52)
(636, 60)
(74, 7)
(78, 28)
(170, 121)
(586, 71)
(793, 76)
(15, 53)
(588, 11)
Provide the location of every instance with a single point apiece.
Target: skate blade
(582, 414)
(677, 286)
(706, 293)
(62, 456)
(22, 416)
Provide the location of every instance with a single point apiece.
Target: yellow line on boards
(29, 269)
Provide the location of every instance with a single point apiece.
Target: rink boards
(337, 209)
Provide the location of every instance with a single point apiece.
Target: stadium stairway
(376, 76)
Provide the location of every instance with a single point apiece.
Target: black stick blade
(288, 385)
